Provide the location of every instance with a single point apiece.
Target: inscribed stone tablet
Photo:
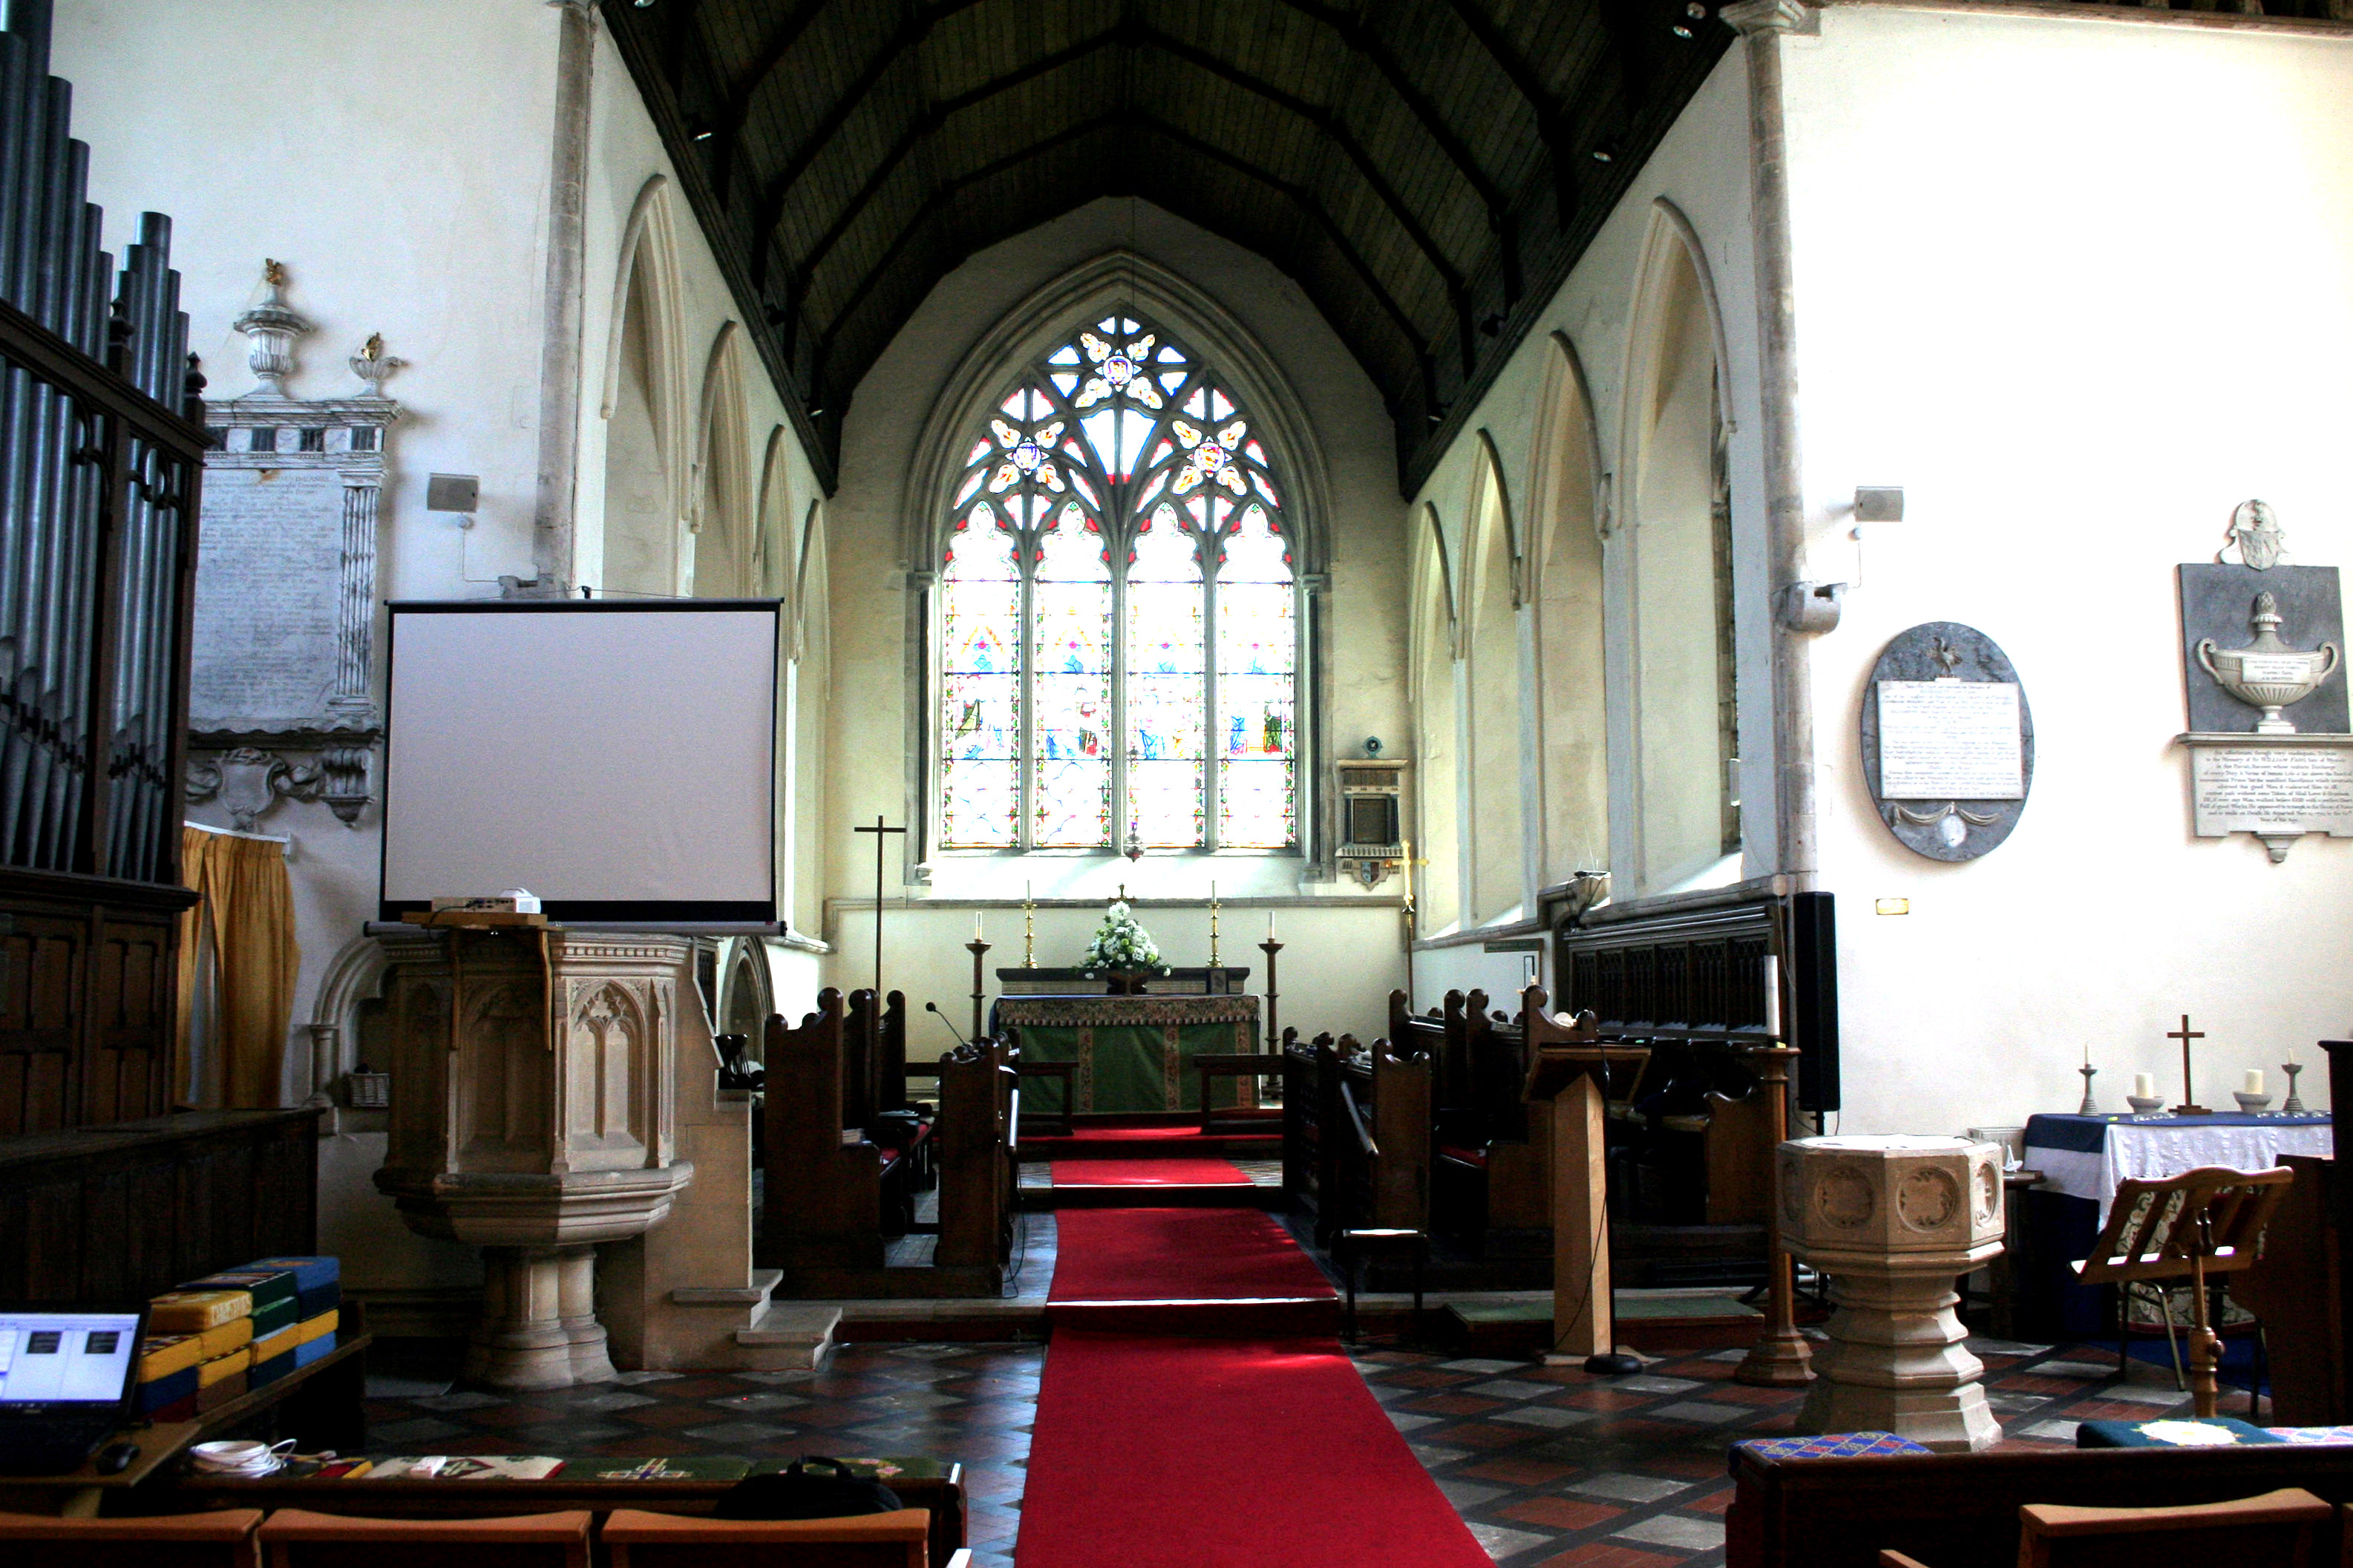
(1949, 739)
(2252, 789)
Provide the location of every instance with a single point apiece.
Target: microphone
(933, 1009)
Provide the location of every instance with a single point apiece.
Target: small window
(314, 440)
(261, 440)
(364, 438)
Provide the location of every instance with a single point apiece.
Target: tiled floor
(1548, 1465)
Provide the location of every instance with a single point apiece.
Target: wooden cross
(2189, 1106)
(878, 831)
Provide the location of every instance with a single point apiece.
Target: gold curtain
(247, 903)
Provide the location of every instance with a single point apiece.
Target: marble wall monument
(282, 704)
(2262, 664)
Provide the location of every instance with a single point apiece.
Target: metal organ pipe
(96, 503)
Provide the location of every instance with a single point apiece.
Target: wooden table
(933, 1484)
(325, 1401)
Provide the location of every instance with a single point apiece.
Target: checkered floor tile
(1549, 1466)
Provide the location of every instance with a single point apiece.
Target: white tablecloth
(2163, 1147)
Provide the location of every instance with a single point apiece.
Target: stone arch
(1675, 524)
(648, 479)
(773, 552)
(1567, 517)
(721, 522)
(809, 689)
(1495, 850)
(1434, 638)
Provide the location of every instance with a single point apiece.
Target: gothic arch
(1495, 851)
(808, 681)
(1567, 517)
(721, 522)
(1116, 281)
(649, 483)
(772, 556)
(1675, 527)
(1435, 701)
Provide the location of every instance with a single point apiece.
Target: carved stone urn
(1892, 1220)
(2268, 675)
(533, 1115)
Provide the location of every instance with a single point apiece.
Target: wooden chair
(297, 1538)
(2202, 1222)
(223, 1540)
(636, 1539)
(2278, 1528)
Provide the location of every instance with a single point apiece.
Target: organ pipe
(99, 478)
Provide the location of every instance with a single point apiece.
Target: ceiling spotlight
(699, 128)
(1605, 152)
(1694, 12)
(645, 4)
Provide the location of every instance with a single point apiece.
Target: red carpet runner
(1186, 1270)
(1170, 1453)
(1165, 1173)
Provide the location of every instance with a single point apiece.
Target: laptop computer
(65, 1380)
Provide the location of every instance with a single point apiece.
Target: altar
(1132, 1054)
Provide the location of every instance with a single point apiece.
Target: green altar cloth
(1133, 1053)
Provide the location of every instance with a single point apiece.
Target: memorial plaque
(1947, 741)
(1950, 740)
(2218, 606)
(2273, 789)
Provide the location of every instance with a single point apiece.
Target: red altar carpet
(1168, 1453)
(1186, 1270)
(1148, 1173)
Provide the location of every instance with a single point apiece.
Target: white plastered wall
(1342, 958)
(309, 134)
(2080, 286)
(1700, 169)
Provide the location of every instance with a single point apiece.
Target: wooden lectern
(1568, 1064)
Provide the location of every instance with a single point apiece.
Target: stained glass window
(1119, 636)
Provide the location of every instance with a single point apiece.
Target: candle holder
(1215, 978)
(2291, 1106)
(978, 948)
(1028, 931)
(1273, 1034)
(2088, 1107)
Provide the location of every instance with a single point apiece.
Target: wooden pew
(1960, 1511)
(829, 1204)
(1377, 1138)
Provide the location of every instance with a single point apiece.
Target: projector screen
(616, 758)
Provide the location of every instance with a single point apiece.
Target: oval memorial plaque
(1947, 741)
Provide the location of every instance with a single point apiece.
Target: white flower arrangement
(1121, 943)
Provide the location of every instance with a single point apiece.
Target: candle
(1772, 996)
(2254, 1082)
(976, 925)
(2143, 1086)
(1270, 925)
(2087, 1053)
(1213, 892)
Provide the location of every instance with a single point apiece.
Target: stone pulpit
(533, 1115)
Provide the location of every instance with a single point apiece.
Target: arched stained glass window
(1119, 619)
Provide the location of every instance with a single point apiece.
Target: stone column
(533, 1114)
(1892, 1220)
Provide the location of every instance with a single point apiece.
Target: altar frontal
(1132, 1053)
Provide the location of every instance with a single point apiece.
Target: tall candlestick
(1215, 979)
(1029, 929)
(977, 947)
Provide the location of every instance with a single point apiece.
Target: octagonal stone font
(1890, 1193)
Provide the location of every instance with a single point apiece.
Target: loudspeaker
(1813, 989)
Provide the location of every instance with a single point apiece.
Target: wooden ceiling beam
(930, 124)
(910, 35)
(1552, 124)
(1363, 41)
(1449, 276)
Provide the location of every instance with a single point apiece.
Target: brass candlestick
(1274, 1035)
(1028, 931)
(1780, 1357)
(977, 947)
(1216, 977)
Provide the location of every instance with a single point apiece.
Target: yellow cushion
(212, 1372)
(316, 1327)
(165, 1354)
(194, 1311)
